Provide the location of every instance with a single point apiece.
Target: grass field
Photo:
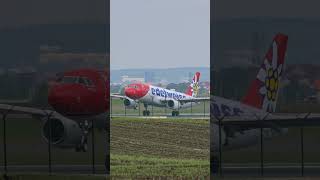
(153, 147)
(117, 107)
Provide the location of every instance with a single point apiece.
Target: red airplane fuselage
(80, 92)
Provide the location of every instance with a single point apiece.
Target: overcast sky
(20, 13)
(267, 8)
(159, 33)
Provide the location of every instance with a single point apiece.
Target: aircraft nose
(61, 98)
(130, 92)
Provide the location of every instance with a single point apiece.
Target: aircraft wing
(281, 120)
(199, 99)
(11, 109)
(118, 96)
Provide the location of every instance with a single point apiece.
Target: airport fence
(24, 150)
(263, 165)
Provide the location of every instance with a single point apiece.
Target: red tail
(192, 90)
(263, 91)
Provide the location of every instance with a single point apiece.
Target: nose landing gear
(83, 146)
(175, 113)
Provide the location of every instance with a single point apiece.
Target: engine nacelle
(131, 104)
(65, 132)
(172, 104)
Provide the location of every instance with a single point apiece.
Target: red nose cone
(136, 91)
(131, 93)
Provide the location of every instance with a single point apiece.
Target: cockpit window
(87, 81)
(75, 80)
(81, 80)
(69, 79)
(133, 86)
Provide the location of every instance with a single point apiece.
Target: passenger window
(69, 79)
(89, 82)
(82, 81)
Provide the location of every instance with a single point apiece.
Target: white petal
(279, 69)
(262, 74)
(274, 55)
(266, 64)
(265, 103)
(263, 90)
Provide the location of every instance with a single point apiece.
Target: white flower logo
(270, 77)
(195, 89)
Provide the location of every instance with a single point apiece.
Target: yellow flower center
(272, 84)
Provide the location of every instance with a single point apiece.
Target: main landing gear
(146, 112)
(83, 146)
(175, 113)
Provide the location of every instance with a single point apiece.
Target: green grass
(147, 148)
(164, 120)
(142, 166)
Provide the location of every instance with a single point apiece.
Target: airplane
(161, 97)
(237, 124)
(78, 97)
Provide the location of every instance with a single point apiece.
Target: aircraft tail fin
(263, 91)
(193, 88)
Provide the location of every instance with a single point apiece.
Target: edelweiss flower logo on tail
(270, 77)
(194, 86)
(264, 89)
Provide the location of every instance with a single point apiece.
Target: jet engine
(131, 104)
(172, 104)
(65, 133)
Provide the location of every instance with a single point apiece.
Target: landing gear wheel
(146, 113)
(175, 113)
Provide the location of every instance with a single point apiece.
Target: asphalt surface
(271, 170)
(182, 116)
(238, 170)
(65, 169)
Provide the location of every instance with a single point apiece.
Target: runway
(66, 169)
(271, 169)
(164, 116)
